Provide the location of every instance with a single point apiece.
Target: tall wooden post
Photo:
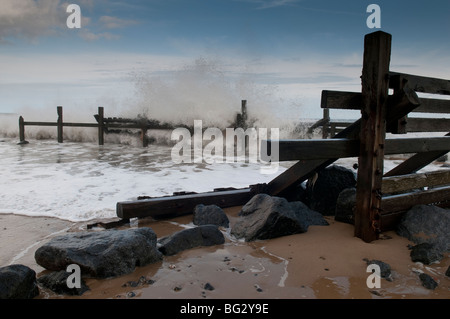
(100, 126)
(21, 129)
(60, 123)
(375, 86)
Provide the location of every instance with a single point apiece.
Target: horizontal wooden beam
(172, 206)
(415, 181)
(416, 162)
(414, 124)
(290, 150)
(420, 83)
(404, 202)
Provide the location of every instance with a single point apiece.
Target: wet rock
(427, 224)
(57, 282)
(428, 281)
(265, 217)
(206, 235)
(208, 286)
(18, 282)
(345, 206)
(426, 253)
(385, 269)
(210, 215)
(306, 215)
(324, 191)
(101, 254)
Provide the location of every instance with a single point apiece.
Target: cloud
(267, 4)
(109, 22)
(30, 19)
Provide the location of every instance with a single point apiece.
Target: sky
(169, 57)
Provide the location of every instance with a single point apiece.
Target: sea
(79, 180)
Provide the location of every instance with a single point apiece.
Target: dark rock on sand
(101, 254)
(57, 282)
(426, 253)
(18, 282)
(385, 269)
(265, 217)
(306, 215)
(427, 224)
(428, 281)
(210, 215)
(324, 191)
(205, 235)
(345, 206)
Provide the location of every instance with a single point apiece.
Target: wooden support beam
(375, 85)
(416, 162)
(172, 206)
(415, 181)
(420, 83)
(403, 202)
(290, 150)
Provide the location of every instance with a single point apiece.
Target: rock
(210, 215)
(101, 254)
(428, 281)
(385, 269)
(427, 224)
(345, 206)
(447, 273)
(205, 235)
(18, 282)
(425, 253)
(57, 282)
(324, 192)
(265, 217)
(307, 216)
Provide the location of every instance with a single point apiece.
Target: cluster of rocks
(111, 253)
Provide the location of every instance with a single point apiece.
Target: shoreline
(326, 262)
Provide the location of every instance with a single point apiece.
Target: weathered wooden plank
(427, 124)
(171, 206)
(404, 202)
(416, 162)
(420, 83)
(290, 150)
(375, 84)
(341, 100)
(415, 181)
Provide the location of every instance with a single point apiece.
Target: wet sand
(327, 262)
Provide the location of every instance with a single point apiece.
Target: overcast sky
(289, 50)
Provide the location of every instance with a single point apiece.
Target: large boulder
(345, 206)
(427, 224)
(57, 282)
(324, 191)
(205, 235)
(101, 254)
(307, 216)
(265, 217)
(18, 282)
(210, 215)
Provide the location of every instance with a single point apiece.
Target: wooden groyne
(378, 202)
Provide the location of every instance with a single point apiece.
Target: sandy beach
(326, 262)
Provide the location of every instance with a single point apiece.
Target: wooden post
(326, 123)
(100, 126)
(375, 86)
(60, 124)
(21, 129)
